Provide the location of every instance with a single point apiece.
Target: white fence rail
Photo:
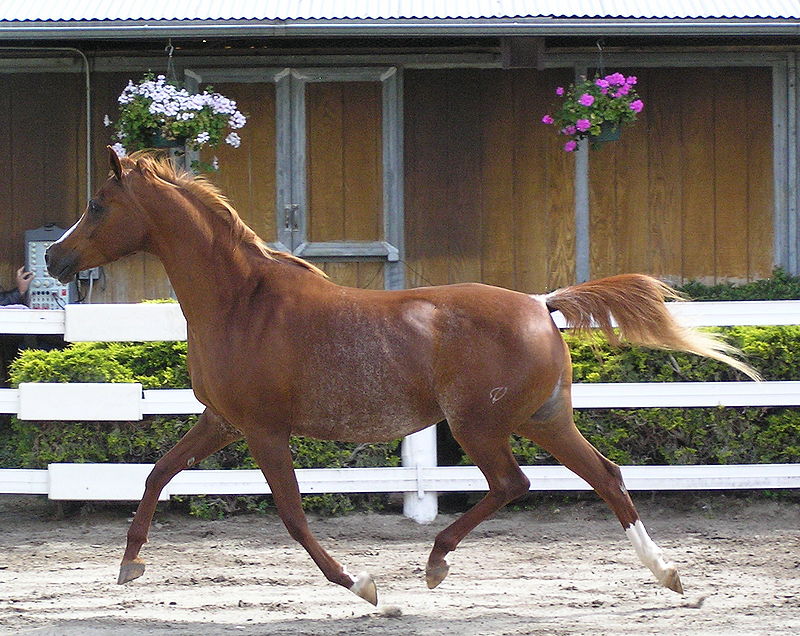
(125, 482)
(419, 477)
(164, 321)
(127, 401)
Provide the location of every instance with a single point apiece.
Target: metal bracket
(290, 211)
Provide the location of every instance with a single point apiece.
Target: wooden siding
(247, 174)
(42, 145)
(489, 193)
(688, 191)
(344, 180)
(344, 161)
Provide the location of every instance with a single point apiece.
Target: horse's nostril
(47, 257)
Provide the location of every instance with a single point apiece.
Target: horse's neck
(207, 268)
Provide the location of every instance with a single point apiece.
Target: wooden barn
(400, 143)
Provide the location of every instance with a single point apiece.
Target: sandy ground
(564, 569)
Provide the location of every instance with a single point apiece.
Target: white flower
(237, 120)
(215, 163)
(106, 120)
(202, 138)
(119, 149)
(233, 139)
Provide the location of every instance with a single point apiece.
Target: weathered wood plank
(247, 174)
(461, 130)
(324, 161)
(697, 174)
(497, 181)
(662, 96)
(759, 173)
(363, 161)
(730, 182)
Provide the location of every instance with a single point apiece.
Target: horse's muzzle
(61, 263)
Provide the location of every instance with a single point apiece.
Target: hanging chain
(172, 76)
(601, 67)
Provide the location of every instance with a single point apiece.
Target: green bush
(780, 286)
(686, 435)
(27, 444)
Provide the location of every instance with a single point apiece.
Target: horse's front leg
(274, 457)
(207, 436)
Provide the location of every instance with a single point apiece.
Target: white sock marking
(649, 553)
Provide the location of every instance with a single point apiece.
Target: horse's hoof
(672, 581)
(130, 570)
(435, 574)
(364, 587)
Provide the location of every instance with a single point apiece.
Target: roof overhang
(539, 26)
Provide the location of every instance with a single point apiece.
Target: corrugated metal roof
(200, 10)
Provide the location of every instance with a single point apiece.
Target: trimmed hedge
(780, 286)
(686, 435)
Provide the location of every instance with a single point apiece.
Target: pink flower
(637, 105)
(586, 99)
(601, 83)
(560, 91)
(547, 119)
(583, 125)
(631, 80)
(570, 145)
(622, 91)
(570, 130)
(615, 79)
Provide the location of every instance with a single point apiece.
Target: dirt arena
(564, 569)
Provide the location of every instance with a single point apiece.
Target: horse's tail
(637, 303)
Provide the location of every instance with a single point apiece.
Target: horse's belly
(364, 422)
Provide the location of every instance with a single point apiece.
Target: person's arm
(17, 296)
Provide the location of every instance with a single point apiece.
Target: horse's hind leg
(506, 482)
(207, 436)
(566, 443)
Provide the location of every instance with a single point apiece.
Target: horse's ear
(113, 160)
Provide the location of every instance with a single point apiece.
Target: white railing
(419, 478)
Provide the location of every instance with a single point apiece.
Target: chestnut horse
(275, 349)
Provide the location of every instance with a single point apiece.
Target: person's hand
(23, 280)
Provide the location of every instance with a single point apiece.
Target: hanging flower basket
(596, 109)
(155, 113)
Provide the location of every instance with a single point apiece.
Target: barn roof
(113, 10)
(104, 18)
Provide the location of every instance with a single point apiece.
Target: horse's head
(110, 228)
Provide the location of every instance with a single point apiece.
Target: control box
(45, 292)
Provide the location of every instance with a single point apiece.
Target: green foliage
(27, 444)
(153, 364)
(686, 435)
(781, 286)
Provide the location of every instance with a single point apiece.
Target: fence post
(419, 451)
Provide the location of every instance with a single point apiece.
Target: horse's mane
(160, 166)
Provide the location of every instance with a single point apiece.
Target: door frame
(291, 175)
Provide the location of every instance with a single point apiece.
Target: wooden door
(319, 171)
(339, 191)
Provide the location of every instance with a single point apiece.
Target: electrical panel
(45, 292)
